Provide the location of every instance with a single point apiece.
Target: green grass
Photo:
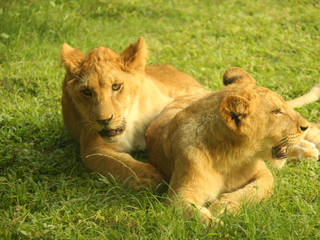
(46, 193)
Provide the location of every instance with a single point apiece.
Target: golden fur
(312, 96)
(309, 146)
(108, 99)
(213, 148)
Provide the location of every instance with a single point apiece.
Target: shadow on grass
(43, 151)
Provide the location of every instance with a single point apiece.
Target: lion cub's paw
(206, 216)
(148, 176)
(226, 202)
(211, 220)
(304, 149)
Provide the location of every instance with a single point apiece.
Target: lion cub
(109, 99)
(213, 148)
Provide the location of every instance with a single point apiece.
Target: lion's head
(254, 112)
(102, 84)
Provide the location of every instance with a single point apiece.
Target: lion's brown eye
(277, 111)
(86, 92)
(116, 86)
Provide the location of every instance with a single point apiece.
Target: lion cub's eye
(277, 111)
(87, 92)
(116, 86)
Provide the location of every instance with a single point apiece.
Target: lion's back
(177, 83)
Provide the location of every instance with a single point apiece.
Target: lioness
(108, 99)
(213, 148)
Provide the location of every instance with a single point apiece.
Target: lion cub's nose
(104, 122)
(303, 128)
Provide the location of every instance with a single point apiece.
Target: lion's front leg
(313, 134)
(259, 188)
(103, 158)
(192, 200)
(193, 184)
(304, 149)
(309, 146)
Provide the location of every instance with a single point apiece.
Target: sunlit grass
(46, 193)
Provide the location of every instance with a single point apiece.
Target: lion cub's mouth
(113, 132)
(280, 151)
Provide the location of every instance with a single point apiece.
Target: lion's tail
(312, 96)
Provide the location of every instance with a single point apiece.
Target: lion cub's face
(263, 115)
(102, 85)
(282, 125)
(259, 114)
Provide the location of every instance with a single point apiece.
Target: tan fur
(116, 96)
(312, 96)
(309, 147)
(213, 148)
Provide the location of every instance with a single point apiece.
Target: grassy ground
(46, 193)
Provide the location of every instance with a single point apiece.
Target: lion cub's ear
(235, 110)
(135, 56)
(71, 57)
(237, 75)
